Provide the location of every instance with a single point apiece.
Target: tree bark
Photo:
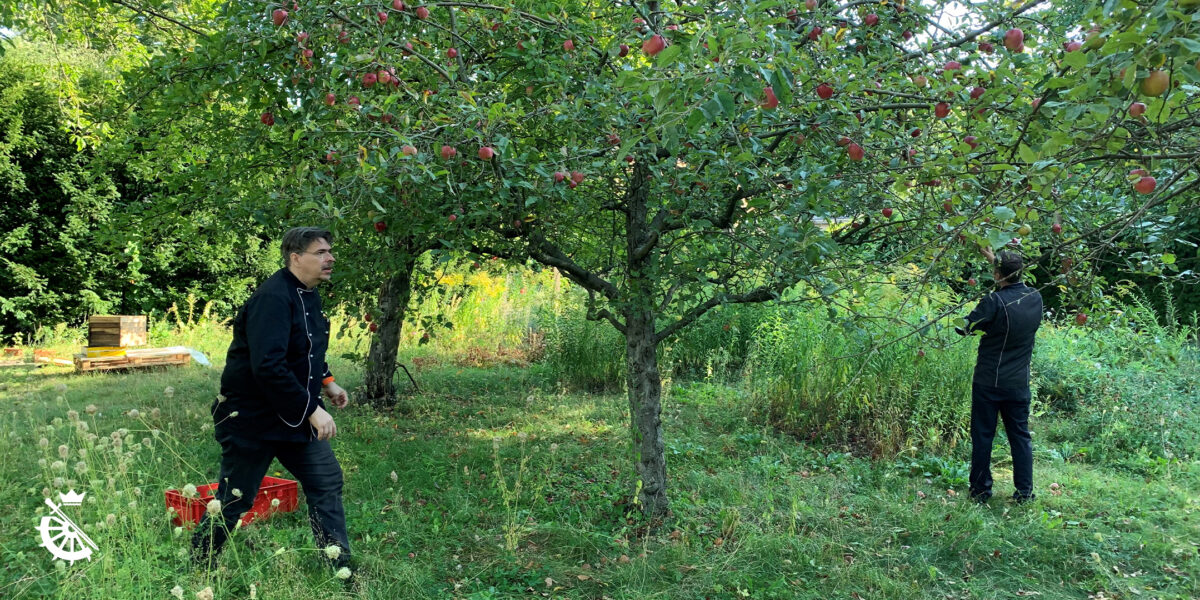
(641, 353)
(385, 343)
(645, 411)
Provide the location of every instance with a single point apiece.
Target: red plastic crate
(190, 510)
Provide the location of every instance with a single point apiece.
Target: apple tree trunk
(645, 410)
(394, 294)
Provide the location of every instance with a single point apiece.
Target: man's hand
(323, 423)
(987, 253)
(336, 395)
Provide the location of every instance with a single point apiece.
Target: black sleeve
(982, 316)
(268, 329)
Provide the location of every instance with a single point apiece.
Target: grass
(756, 514)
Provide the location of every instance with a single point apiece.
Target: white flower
(43, 443)
(72, 415)
(237, 493)
(206, 593)
(178, 531)
(91, 409)
(189, 491)
(221, 398)
(81, 467)
(110, 519)
(42, 463)
(168, 391)
(274, 502)
(155, 413)
(134, 413)
(253, 592)
(553, 448)
(343, 573)
(58, 482)
(177, 592)
(495, 443)
(214, 506)
(523, 436)
(58, 466)
(63, 451)
(233, 414)
(394, 476)
(333, 551)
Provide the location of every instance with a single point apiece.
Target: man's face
(315, 264)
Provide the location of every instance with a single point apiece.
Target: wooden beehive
(117, 330)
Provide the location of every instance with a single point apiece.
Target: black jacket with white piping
(1009, 319)
(276, 363)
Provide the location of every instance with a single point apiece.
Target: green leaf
(1076, 60)
(1191, 45)
(1004, 213)
(670, 54)
(1168, 258)
(1027, 153)
(728, 105)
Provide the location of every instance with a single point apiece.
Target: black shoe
(981, 497)
(1019, 499)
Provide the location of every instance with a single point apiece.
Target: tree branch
(761, 294)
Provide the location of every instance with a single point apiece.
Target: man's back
(1009, 318)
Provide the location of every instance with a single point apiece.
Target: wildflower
(134, 413)
(233, 414)
(253, 592)
(553, 448)
(59, 399)
(58, 466)
(57, 421)
(122, 432)
(333, 551)
(155, 413)
(343, 573)
(221, 398)
(60, 388)
(73, 416)
(110, 519)
(214, 506)
(177, 592)
(81, 467)
(58, 482)
(91, 409)
(132, 504)
(189, 491)
(237, 493)
(206, 593)
(46, 492)
(394, 477)
(147, 442)
(274, 502)
(82, 426)
(82, 452)
(495, 443)
(178, 531)
(169, 391)
(523, 436)
(63, 451)
(42, 463)
(43, 443)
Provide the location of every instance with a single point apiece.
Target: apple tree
(673, 158)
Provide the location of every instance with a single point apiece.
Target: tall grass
(864, 383)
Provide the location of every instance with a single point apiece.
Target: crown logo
(71, 498)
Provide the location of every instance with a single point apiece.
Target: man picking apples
(1008, 319)
(270, 404)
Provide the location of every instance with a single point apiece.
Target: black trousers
(1013, 406)
(244, 462)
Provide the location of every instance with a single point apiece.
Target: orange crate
(190, 510)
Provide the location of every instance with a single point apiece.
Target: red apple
(369, 79)
(907, 35)
(948, 206)
(452, 52)
(843, 141)
(1073, 46)
(1036, 103)
(1056, 228)
(382, 16)
(624, 50)
(855, 152)
(1013, 39)
(343, 37)
(380, 226)
(576, 177)
(971, 282)
(422, 12)
(921, 81)
(654, 45)
(279, 17)
(408, 150)
(383, 77)
(367, 317)
(814, 34)
(971, 141)
(810, 4)
(449, 152)
(1080, 319)
(330, 99)
(976, 92)
(941, 110)
(267, 119)
(398, 4)
(1145, 185)
(452, 218)
(559, 176)
(486, 153)
(568, 45)
(613, 139)
(302, 38)
(916, 132)
(1138, 173)
(771, 102)
(952, 65)
(871, 20)
(887, 213)
(1137, 109)
(373, 327)
(824, 91)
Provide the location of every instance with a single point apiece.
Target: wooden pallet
(134, 359)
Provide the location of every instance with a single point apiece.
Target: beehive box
(117, 330)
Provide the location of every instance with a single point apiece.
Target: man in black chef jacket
(270, 405)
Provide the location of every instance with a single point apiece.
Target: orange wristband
(327, 380)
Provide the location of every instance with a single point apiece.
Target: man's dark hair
(1009, 265)
(298, 239)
